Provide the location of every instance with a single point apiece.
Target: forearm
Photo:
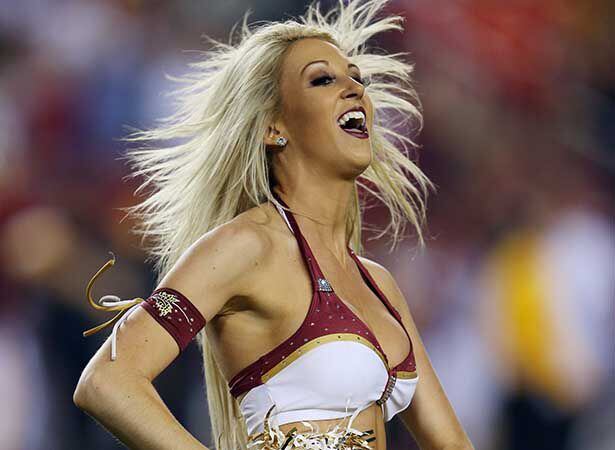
(133, 411)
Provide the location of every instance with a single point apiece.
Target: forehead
(307, 50)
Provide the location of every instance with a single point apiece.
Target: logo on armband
(164, 301)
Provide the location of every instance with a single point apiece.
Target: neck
(321, 212)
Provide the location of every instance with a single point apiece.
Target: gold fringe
(336, 438)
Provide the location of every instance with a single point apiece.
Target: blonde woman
(254, 220)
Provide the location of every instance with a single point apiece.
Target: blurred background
(514, 295)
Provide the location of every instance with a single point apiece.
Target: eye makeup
(324, 80)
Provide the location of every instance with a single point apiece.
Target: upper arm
(221, 264)
(429, 417)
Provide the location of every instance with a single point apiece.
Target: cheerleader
(253, 221)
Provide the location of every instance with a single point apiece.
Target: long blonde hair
(214, 165)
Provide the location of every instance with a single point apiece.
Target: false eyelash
(319, 81)
(365, 81)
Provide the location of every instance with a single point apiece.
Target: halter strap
(318, 279)
(283, 214)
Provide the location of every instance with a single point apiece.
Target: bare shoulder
(381, 274)
(376, 270)
(245, 233)
(386, 282)
(224, 262)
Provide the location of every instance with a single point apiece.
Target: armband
(169, 307)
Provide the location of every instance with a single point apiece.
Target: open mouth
(354, 123)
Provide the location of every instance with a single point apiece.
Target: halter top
(331, 367)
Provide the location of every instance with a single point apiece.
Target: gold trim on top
(405, 374)
(315, 343)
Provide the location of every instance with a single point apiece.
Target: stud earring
(281, 141)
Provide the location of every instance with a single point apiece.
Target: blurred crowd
(514, 294)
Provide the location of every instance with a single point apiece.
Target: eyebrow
(327, 63)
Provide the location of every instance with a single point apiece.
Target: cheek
(310, 114)
(369, 107)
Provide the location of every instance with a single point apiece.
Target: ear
(274, 131)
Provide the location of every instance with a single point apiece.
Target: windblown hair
(215, 166)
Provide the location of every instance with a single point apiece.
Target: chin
(361, 161)
(353, 153)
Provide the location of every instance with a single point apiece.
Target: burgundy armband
(171, 309)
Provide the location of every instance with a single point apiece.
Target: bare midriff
(369, 419)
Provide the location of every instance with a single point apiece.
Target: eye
(365, 81)
(322, 80)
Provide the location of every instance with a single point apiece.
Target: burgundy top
(327, 314)
(176, 314)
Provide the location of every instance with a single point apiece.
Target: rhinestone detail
(324, 286)
(387, 390)
(164, 302)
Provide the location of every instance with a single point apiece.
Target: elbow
(88, 390)
(80, 396)
(100, 389)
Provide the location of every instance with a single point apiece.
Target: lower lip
(356, 134)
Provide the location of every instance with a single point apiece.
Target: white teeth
(352, 115)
